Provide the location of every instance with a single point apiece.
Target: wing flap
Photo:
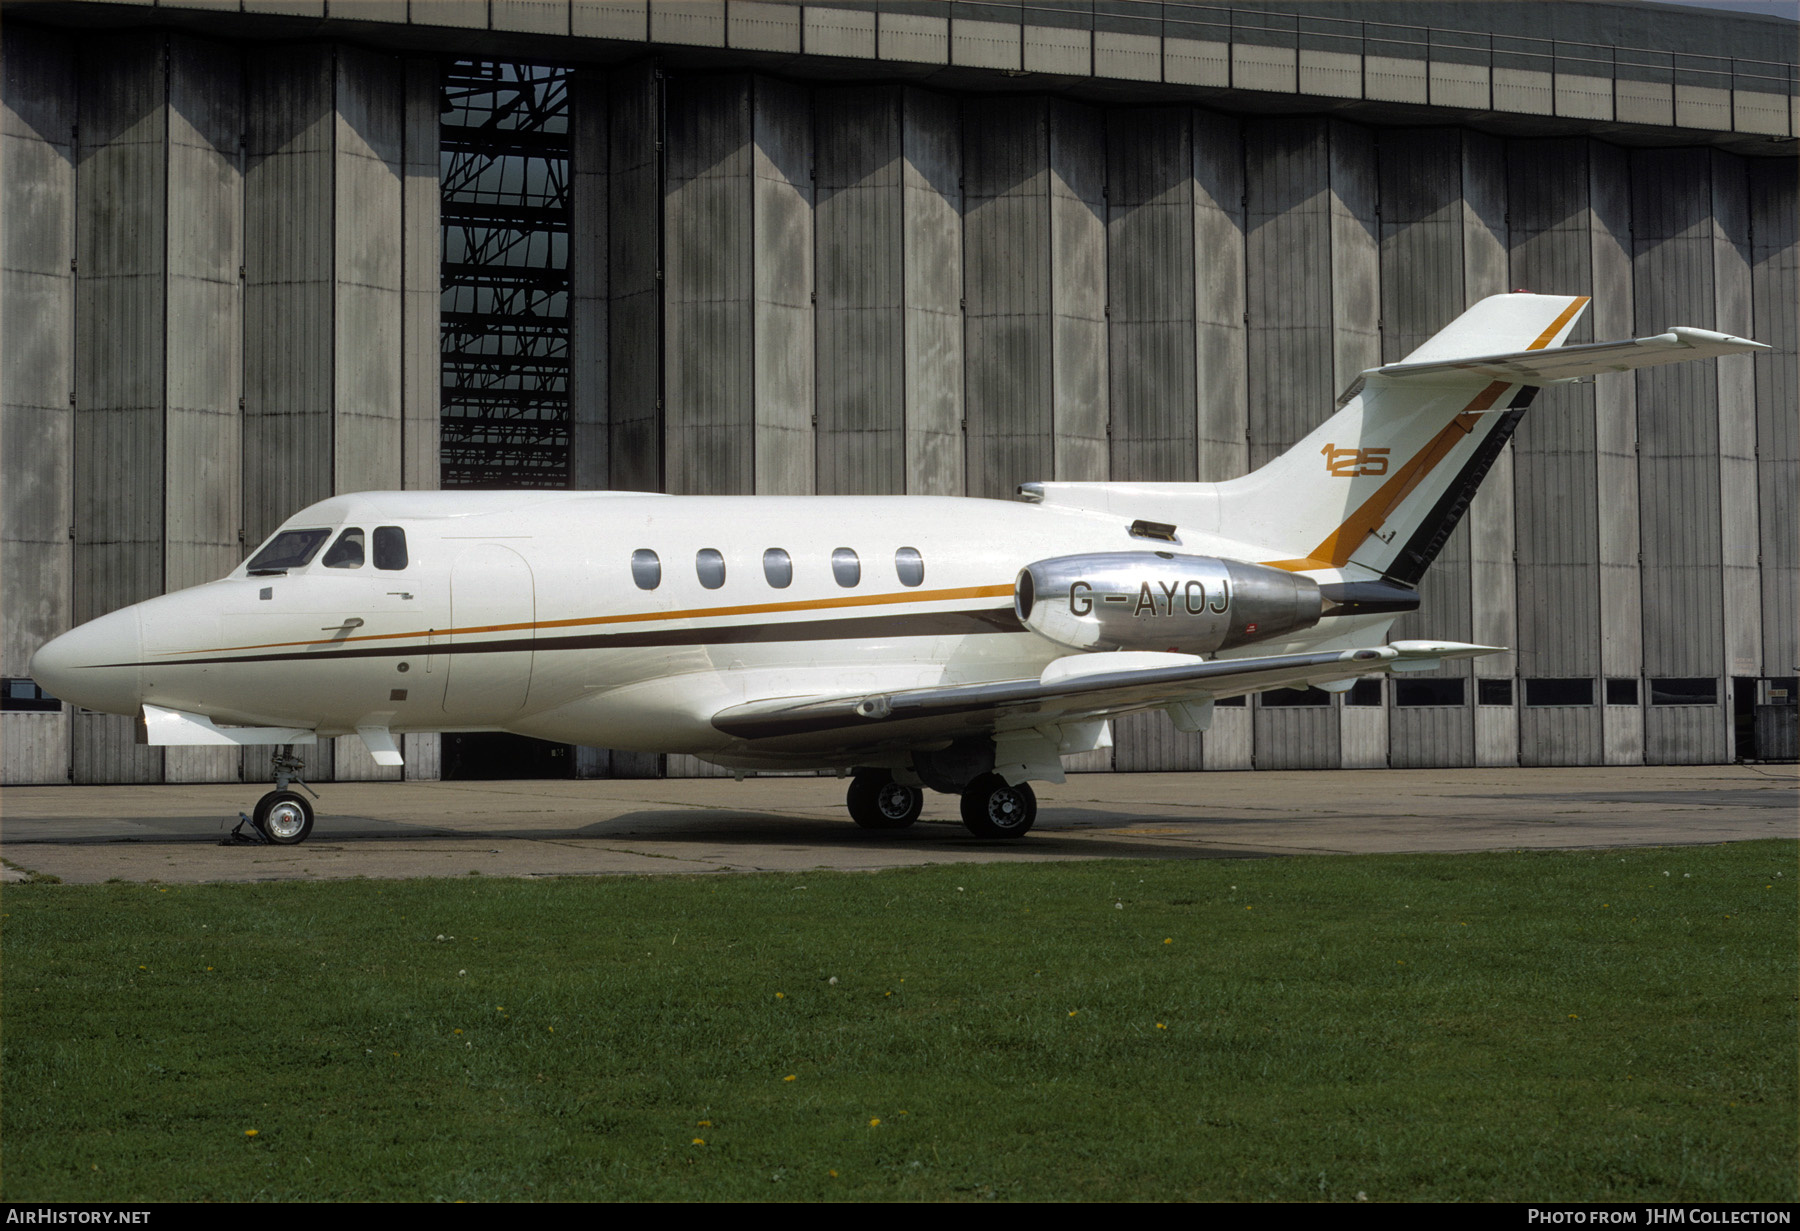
(1565, 363)
(1006, 704)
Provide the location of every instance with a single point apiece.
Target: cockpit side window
(347, 552)
(289, 549)
(390, 548)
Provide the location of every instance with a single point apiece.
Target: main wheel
(284, 817)
(878, 802)
(993, 809)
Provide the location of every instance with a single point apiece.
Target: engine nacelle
(1143, 600)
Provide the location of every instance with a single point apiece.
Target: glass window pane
(289, 549)
(1364, 693)
(1540, 692)
(1701, 691)
(910, 565)
(1621, 692)
(711, 567)
(1493, 692)
(390, 548)
(347, 552)
(846, 567)
(646, 569)
(778, 568)
(1414, 693)
(1282, 698)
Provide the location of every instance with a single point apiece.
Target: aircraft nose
(95, 665)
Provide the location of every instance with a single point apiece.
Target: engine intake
(1143, 600)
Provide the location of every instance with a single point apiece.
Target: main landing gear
(991, 808)
(282, 817)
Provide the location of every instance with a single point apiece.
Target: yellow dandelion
(698, 1141)
(1168, 940)
(705, 1124)
(1160, 1026)
(1574, 1017)
(456, 1032)
(780, 996)
(832, 1174)
(789, 1077)
(249, 1132)
(1073, 1012)
(873, 1123)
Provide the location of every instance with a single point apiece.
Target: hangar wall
(220, 274)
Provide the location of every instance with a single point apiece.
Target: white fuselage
(519, 611)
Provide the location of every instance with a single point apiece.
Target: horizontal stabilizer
(1064, 696)
(1564, 363)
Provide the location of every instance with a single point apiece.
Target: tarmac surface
(566, 828)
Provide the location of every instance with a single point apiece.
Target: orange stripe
(1336, 550)
(1557, 324)
(854, 600)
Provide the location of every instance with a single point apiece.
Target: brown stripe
(1556, 325)
(694, 613)
(922, 624)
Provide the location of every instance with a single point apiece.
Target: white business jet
(958, 644)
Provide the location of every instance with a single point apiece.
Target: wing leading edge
(1083, 690)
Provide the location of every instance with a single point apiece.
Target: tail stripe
(1568, 313)
(1340, 544)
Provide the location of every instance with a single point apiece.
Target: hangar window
(24, 694)
(1701, 691)
(1559, 692)
(1416, 694)
(347, 552)
(289, 549)
(846, 567)
(909, 565)
(1364, 693)
(646, 569)
(1284, 698)
(1237, 702)
(1621, 692)
(711, 567)
(390, 548)
(1493, 692)
(778, 568)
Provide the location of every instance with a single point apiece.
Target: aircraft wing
(1562, 363)
(1085, 691)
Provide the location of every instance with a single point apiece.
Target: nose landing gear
(282, 817)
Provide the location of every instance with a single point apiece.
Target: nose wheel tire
(878, 802)
(283, 817)
(993, 809)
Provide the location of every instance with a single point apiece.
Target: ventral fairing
(957, 645)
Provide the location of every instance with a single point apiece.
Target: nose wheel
(282, 817)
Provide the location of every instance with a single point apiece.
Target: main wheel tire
(878, 802)
(283, 817)
(993, 809)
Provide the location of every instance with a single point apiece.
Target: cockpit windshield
(289, 549)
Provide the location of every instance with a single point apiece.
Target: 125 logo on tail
(1348, 463)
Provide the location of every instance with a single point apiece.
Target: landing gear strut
(878, 802)
(993, 809)
(282, 817)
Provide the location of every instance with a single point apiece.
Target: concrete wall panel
(1775, 292)
(932, 259)
(1223, 424)
(421, 378)
(1678, 450)
(782, 282)
(1615, 438)
(1739, 538)
(1078, 291)
(1555, 479)
(589, 419)
(1006, 279)
(37, 312)
(861, 256)
(289, 327)
(368, 172)
(635, 280)
(1150, 271)
(709, 351)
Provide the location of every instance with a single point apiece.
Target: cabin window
(910, 566)
(711, 567)
(347, 552)
(289, 549)
(390, 548)
(778, 568)
(646, 569)
(846, 567)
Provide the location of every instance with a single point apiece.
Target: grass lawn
(1610, 1025)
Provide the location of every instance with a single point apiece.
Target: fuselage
(612, 619)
